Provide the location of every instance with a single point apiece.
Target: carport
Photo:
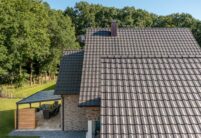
(29, 118)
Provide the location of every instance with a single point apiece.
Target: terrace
(46, 116)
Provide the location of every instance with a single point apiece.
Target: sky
(160, 7)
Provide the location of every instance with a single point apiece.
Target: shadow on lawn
(7, 124)
(52, 87)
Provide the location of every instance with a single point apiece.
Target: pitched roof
(150, 97)
(70, 73)
(129, 41)
(40, 97)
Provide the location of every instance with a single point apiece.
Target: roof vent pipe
(113, 28)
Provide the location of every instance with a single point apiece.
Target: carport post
(29, 105)
(17, 108)
(62, 99)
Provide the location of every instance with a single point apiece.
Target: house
(131, 82)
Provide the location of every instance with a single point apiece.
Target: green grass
(7, 110)
(8, 106)
(7, 122)
(27, 90)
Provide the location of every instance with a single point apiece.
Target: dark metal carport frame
(42, 96)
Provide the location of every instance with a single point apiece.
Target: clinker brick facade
(74, 116)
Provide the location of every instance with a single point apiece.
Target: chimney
(114, 28)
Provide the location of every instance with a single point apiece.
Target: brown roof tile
(150, 97)
(157, 42)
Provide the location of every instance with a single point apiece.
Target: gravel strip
(50, 134)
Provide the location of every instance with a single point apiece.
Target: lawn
(27, 90)
(7, 107)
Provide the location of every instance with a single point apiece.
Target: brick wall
(93, 113)
(74, 116)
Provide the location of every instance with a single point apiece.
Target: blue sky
(160, 7)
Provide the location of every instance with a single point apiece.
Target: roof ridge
(130, 27)
(149, 56)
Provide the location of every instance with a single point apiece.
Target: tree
(25, 28)
(86, 15)
(4, 61)
(62, 37)
(32, 37)
(92, 15)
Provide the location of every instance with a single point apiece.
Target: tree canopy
(32, 37)
(86, 15)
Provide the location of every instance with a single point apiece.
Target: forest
(33, 36)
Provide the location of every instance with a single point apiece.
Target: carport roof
(40, 97)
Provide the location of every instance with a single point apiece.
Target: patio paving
(54, 123)
(50, 134)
